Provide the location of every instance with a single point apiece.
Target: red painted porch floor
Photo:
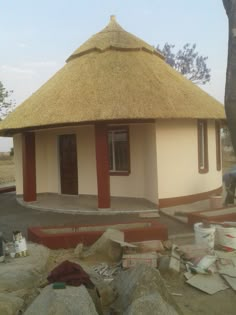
(86, 204)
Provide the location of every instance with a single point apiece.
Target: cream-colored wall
(133, 184)
(150, 164)
(17, 141)
(47, 160)
(142, 180)
(177, 159)
(87, 173)
(141, 183)
(164, 161)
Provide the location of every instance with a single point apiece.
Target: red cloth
(70, 273)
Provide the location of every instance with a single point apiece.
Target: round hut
(117, 121)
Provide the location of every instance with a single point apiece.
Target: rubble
(142, 288)
(131, 260)
(107, 272)
(106, 246)
(208, 283)
(174, 259)
(125, 275)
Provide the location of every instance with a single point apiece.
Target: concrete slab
(87, 204)
(219, 215)
(180, 213)
(14, 216)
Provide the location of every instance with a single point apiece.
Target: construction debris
(174, 259)
(126, 277)
(107, 246)
(149, 246)
(107, 272)
(208, 283)
(131, 260)
(141, 290)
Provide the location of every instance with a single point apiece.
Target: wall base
(170, 202)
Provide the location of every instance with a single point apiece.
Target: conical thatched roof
(113, 76)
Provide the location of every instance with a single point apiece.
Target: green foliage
(6, 105)
(188, 62)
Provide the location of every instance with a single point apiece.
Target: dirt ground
(193, 301)
(7, 170)
(190, 300)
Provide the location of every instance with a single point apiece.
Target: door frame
(59, 163)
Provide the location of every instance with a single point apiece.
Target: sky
(36, 37)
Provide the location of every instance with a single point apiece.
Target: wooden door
(68, 164)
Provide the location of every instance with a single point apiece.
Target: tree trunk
(230, 89)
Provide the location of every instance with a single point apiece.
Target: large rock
(152, 304)
(106, 247)
(68, 301)
(10, 304)
(143, 284)
(106, 291)
(24, 272)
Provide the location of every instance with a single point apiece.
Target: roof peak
(112, 18)
(113, 36)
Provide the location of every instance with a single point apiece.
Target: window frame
(126, 129)
(218, 146)
(202, 131)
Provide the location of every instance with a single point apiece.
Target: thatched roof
(113, 76)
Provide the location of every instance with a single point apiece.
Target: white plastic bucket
(20, 246)
(226, 236)
(204, 235)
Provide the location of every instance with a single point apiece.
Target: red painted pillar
(29, 166)
(102, 163)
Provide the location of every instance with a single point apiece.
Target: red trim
(205, 135)
(7, 189)
(170, 202)
(10, 132)
(29, 166)
(153, 231)
(102, 164)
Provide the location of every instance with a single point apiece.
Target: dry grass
(7, 170)
(114, 75)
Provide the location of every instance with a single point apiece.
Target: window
(218, 146)
(119, 158)
(202, 147)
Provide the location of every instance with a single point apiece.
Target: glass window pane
(118, 150)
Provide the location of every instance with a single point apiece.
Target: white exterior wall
(142, 180)
(141, 183)
(177, 159)
(164, 161)
(150, 171)
(17, 141)
(47, 160)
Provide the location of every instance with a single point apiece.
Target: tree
(230, 88)
(188, 62)
(6, 105)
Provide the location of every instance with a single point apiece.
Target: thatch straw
(113, 76)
